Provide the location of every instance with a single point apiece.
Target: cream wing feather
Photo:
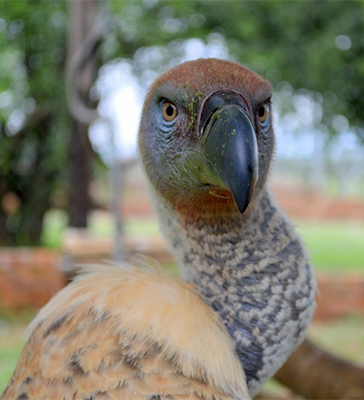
(126, 333)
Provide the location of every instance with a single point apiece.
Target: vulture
(206, 142)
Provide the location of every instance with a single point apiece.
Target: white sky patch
(115, 135)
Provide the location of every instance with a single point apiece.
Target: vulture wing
(126, 333)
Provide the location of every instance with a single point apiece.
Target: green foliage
(32, 43)
(32, 103)
(316, 46)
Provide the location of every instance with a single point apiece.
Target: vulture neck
(253, 271)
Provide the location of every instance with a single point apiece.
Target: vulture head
(206, 137)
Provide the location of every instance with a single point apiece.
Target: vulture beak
(229, 146)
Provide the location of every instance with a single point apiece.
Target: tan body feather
(124, 333)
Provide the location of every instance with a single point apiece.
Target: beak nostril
(216, 101)
(211, 118)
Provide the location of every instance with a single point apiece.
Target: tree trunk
(316, 374)
(79, 202)
(81, 18)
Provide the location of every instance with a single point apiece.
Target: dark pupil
(169, 111)
(261, 111)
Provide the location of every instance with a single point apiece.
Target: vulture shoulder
(127, 333)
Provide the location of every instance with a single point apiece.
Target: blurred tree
(316, 46)
(33, 117)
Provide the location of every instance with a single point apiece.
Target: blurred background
(73, 75)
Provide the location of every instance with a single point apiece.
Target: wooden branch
(82, 53)
(316, 374)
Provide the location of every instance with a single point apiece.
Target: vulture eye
(169, 111)
(263, 113)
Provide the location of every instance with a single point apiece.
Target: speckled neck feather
(253, 270)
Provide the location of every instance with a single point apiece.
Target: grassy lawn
(12, 338)
(333, 245)
(344, 337)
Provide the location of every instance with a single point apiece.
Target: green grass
(100, 225)
(12, 338)
(12, 341)
(334, 245)
(147, 227)
(53, 224)
(344, 337)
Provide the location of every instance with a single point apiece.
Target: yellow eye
(263, 113)
(169, 111)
